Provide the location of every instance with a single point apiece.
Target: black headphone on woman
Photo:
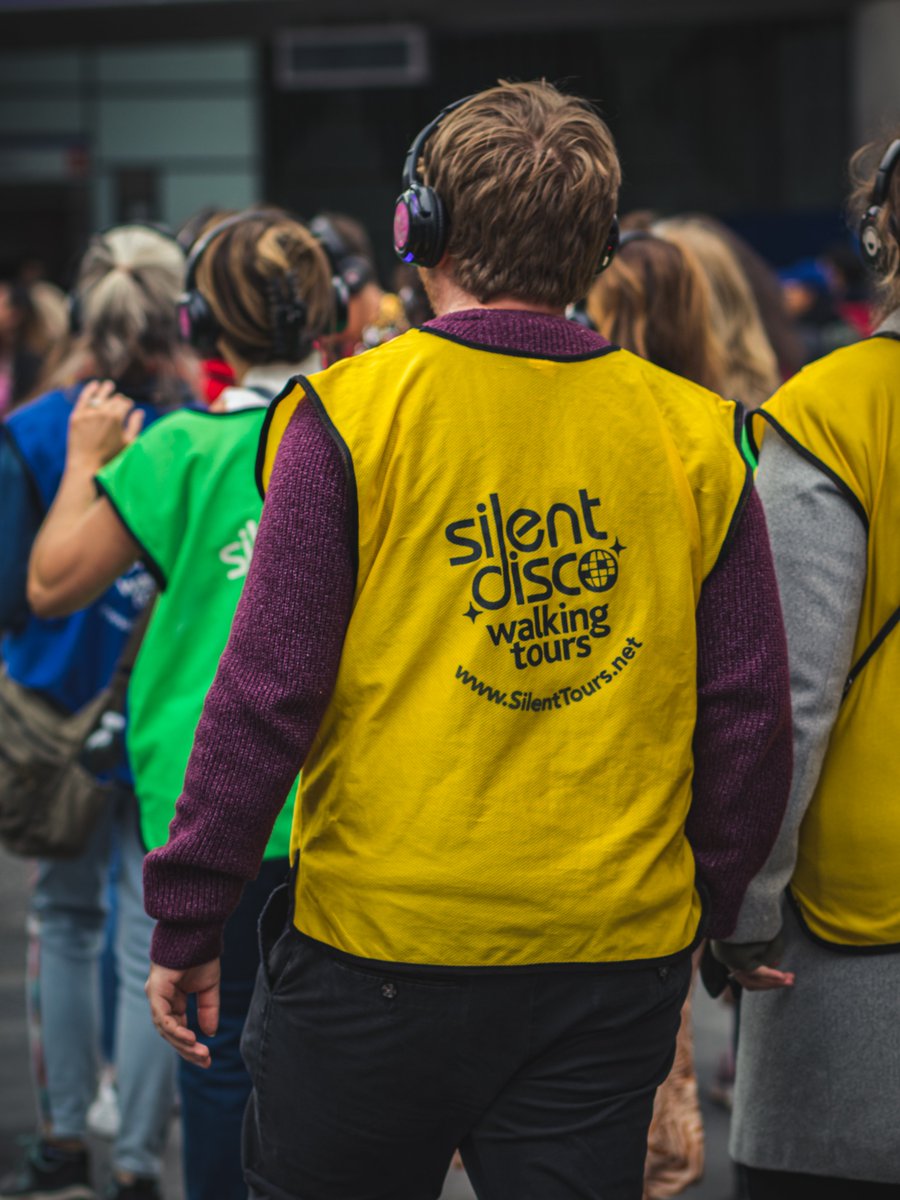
(871, 242)
(421, 225)
(287, 310)
(351, 269)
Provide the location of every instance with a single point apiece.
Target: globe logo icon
(598, 570)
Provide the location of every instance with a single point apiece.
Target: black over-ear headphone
(75, 297)
(198, 325)
(420, 218)
(871, 243)
(353, 269)
(421, 226)
(286, 305)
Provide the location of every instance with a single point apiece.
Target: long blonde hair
(749, 363)
(654, 300)
(126, 300)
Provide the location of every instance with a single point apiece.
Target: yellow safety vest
(843, 414)
(503, 773)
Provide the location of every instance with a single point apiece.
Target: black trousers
(787, 1185)
(367, 1078)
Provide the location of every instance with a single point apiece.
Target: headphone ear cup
(341, 300)
(198, 326)
(440, 227)
(871, 245)
(612, 244)
(420, 226)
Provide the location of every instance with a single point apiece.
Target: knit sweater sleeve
(742, 740)
(265, 704)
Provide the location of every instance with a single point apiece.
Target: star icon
(472, 613)
(618, 547)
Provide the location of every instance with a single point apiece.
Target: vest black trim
(561, 358)
(30, 482)
(837, 947)
(218, 416)
(264, 432)
(885, 333)
(347, 459)
(802, 450)
(876, 643)
(745, 490)
(751, 433)
(146, 557)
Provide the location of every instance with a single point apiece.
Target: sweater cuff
(747, 956)
(177, 946)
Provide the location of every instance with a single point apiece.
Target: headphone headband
(351, 272)
(287, 311)
(414, 153)
(871, 241)
(206, 239)
(885, 171)
(420, 218)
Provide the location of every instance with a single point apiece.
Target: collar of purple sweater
(516, 329)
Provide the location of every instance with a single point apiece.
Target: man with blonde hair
(512, 607)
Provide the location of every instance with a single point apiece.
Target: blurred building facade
(116, 111)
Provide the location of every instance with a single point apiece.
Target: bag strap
(118, 685)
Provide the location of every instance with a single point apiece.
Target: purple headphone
(421, 226)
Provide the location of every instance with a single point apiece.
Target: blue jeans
(213, 1100)
(68, 916)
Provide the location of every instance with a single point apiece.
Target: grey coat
(818, 1072)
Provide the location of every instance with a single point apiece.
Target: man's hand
(763, 979)
(168, 990)
(102, 424)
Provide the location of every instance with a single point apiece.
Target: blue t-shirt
(67, 659)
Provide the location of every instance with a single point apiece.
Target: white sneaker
(103, 1117)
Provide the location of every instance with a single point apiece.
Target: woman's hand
(102, 424)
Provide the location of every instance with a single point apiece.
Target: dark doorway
(43, 223)
(737, 119)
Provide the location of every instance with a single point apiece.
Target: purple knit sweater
(279, 668)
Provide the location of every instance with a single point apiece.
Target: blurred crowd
(762, 323)
(123, 497)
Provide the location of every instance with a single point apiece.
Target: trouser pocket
(272, 925)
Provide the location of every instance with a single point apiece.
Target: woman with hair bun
(125, 328)
(258, 294)
(817, 1092)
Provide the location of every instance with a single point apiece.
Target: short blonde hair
(530, 180)
(863, 171)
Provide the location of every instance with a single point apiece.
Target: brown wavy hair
(863, 171)
(530, 179)
(239, 270)
(654, 300)
(749, 363)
